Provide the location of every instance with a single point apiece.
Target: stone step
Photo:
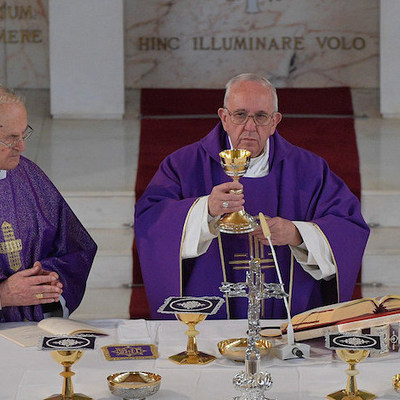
(381, 207)
(382, 258)
(102, 209)
(103, 303)
(112, 266)
(108, 216)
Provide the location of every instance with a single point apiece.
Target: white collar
(259, 166)
(3, 173)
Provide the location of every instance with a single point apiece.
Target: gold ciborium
(67, 358)
(191, 355)
(352, 357)
(235, 163)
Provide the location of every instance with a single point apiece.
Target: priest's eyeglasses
(12, 143)
(241, 117)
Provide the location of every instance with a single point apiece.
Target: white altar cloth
(30, 374)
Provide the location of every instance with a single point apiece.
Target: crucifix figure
(11, 246)
(253, 382)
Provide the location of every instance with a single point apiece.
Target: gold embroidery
(256, 250)
(11, 246)
(241, 261)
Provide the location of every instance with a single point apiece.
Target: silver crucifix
(252, 382)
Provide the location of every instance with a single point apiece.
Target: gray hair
(8, 96)
(254, 78)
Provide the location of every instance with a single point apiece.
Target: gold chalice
(352, 357)
(67, 358)
(396, 382)
(191, 355)
(235, 163)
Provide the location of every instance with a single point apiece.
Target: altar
(28, 373)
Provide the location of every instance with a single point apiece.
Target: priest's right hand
(223, 195)
(30, 287)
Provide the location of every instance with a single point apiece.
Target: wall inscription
(299, 43)
(18, 13)
(238, 43)
(201, 43)
(24, 43)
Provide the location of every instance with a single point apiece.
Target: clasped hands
(30, 287)
(226, 198)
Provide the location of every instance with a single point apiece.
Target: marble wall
(24, 43)
(200, 43)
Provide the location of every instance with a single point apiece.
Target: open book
(342, 317)
(28, 334)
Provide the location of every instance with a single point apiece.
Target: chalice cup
(67, 358)
(235, 163)
(191, 355)
(352, 357)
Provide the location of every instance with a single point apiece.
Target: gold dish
(133, 385)
(396, 382)
(235, 349)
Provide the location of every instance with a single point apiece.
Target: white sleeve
(197, 235)
(314, 253)
(64, 309)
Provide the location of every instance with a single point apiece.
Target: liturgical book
(347, 316)
(28, 335)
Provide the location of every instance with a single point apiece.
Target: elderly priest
(45, 253)
(315, 221)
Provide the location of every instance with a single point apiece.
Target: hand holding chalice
(235, 163)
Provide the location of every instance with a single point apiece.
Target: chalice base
(75, 396)
(237, 222)
(342, 395)
(186, 358)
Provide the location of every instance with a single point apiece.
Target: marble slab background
(201, 43)
(337, 42)
(24, 43)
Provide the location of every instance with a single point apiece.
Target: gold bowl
(134, 384)
(235, 349)
(396, 382)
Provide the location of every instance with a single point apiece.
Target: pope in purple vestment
(298, 187)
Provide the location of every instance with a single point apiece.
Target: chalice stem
(351, 388)
(67, 391)
(236, 191)
(191, 347)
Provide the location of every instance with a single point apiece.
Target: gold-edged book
(347, 316)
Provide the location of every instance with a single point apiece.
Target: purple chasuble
(299, 187)
(38, 225)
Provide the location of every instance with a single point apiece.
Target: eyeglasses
(241, 117)
(26, 135)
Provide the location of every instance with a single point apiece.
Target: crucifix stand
(252, 382)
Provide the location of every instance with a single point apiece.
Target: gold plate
(235, 349)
